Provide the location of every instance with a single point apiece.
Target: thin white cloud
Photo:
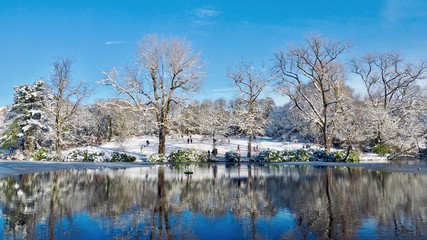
(115, 42)
(206, 12)
(204, 15)
(396, 10)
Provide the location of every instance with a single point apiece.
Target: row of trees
(155, 99)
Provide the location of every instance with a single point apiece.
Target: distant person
(238, 148)
(142, 149)
(148, 143)
(191, 140)
(188, 140)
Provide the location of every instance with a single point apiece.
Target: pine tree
(27, 121)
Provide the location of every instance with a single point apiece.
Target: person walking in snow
(238, 148)
(148, 142)
(142, 148)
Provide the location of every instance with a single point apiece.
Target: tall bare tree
(165, 73)
(66, 98)
(313, 78)
(394, 95)
(251, 84)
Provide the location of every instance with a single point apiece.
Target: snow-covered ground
(132, 146)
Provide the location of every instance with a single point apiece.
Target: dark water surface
(216, 202)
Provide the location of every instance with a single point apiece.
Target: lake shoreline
(14, 167)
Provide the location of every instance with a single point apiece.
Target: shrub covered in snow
(157, 158)
(84, 156)
(353, 156)
(322, 156)
(40, 154)
(93, 156)
(382, 149)
(283, 156)
(232, 156)
(122, 157)
(299, 155)
(270, 156)
(186, 155)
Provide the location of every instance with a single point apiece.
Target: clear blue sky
(97, 35)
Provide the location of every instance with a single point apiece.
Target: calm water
(216, 202)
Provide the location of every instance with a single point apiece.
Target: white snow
(132, 146)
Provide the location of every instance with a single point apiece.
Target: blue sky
(98, 35)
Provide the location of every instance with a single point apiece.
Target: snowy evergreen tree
(27, 120)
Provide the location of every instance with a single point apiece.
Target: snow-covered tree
(286, 122)
(114, 118)
(215, 119)
(27, 121)
(313, 78)
(394, 98)
(251, 84)
(66, 97)
(166, 73)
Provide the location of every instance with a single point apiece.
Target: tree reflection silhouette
(161, 202)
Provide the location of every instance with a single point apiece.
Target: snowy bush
(300, 155)
(186, 155)
(270, 156)
(382, 149)
(232, 156)
(353, 156)
(322, 156)
(84, 156)
(157, 158)
(40, 154)
(122, 157)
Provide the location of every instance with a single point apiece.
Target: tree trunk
(110, 129)
(250, 146)
(162, 140)
(326, 140)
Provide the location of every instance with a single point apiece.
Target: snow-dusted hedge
(283, 156)
(270, 156)
(40, 154)
(353, 156)
(85, 156)
(382, 149)
(322, 156)
(186, 155)
(304, 155)
(93, 156)
(181, 155)
(232, 156)
(122, 157)
(157, 158)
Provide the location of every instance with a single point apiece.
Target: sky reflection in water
(216, 202)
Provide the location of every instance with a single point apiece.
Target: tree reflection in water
(217, 201)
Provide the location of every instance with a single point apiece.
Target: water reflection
(216, 202)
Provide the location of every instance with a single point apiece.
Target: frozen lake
(218, 201)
